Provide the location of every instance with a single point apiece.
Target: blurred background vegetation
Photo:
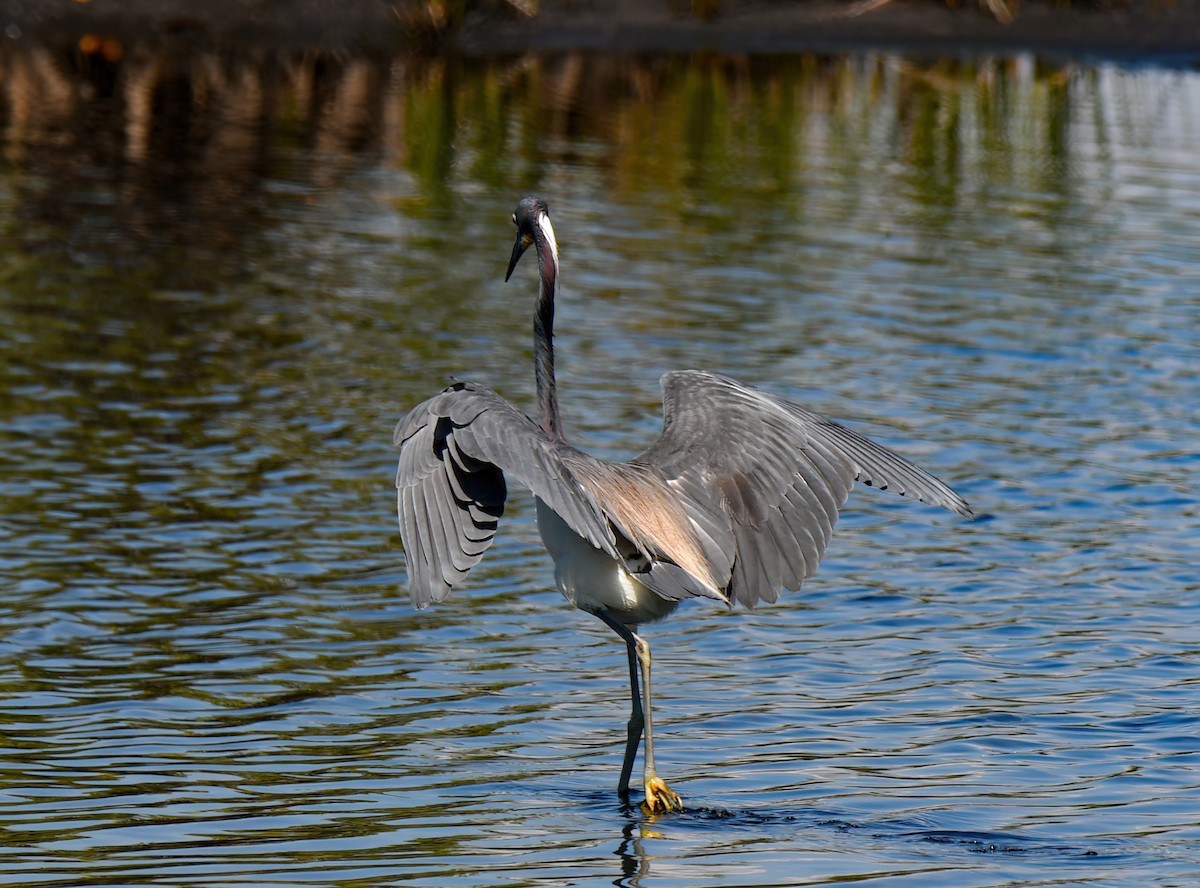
(132, 151)
(163, 141)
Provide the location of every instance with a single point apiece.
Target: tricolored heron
(735, 501)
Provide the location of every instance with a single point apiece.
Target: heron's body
(592, 580)
(736, 500)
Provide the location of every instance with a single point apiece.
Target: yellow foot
(660, 798)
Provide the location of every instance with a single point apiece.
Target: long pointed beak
(522, 244)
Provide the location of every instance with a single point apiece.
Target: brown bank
(1139, 29)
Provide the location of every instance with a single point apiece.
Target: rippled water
(212, 319)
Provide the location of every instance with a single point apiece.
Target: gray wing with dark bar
(775, 473)
(455, 450)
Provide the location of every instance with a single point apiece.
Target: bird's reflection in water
(635, 865)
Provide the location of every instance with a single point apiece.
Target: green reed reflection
(175, 149)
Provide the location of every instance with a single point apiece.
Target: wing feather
(775, 471)
(793, 509)
(455, 450)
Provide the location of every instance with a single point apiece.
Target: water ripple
(209, 669)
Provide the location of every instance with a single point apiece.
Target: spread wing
(457, 447)
(764, 478)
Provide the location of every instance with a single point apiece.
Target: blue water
(209, 671)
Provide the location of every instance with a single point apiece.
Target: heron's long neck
(543, 332)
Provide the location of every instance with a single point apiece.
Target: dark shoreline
(922, 27)
(1160, 32)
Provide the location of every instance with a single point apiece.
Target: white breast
(591, 580)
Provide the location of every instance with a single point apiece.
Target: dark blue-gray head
(532, 218)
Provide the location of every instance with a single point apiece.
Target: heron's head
(532, 218)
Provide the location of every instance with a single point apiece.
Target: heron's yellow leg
(660, 798)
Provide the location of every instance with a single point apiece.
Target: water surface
(224, 280)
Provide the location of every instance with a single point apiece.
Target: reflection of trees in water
(125, 148)
(165, 150)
